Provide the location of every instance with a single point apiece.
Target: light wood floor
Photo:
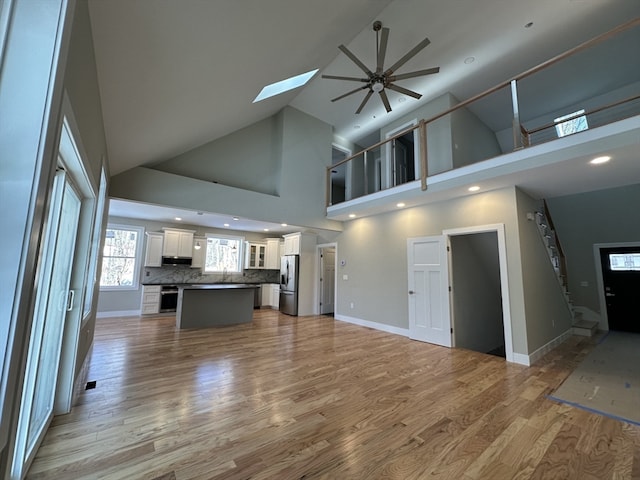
(311, 398)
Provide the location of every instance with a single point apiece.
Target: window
(573, 123)
(120, 260)
(223, 254)
(624, 262)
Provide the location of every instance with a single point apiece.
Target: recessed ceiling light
(469, 60)
(283, 225)
(266, 229)
(400, 204)
(226, 224)
(475, 188)
(178, 218)
(402, 100)
(529, 25)
(352, 215)
(236, 218)
(285, 85)
(200, 213)
(599, 160)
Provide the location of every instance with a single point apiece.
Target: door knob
(411, 292)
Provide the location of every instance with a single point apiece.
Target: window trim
(241, 252)
(137, 259)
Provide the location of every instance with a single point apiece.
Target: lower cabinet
(271, 295)
(150, 299)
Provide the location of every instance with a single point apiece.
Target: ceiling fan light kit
(379, 80)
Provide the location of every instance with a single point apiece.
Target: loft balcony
(535, 131)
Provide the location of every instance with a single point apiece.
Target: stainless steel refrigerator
(289, 269)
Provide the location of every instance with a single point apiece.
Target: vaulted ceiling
(176, 74)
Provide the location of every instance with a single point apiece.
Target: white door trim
(604, 316)
(504, 275)
(316, 300)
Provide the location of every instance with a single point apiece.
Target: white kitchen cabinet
(292, 244)
(256, 255)
(299, 243)
(197, 258)
(153, 250)
(270, 295)
(273, 254)
(275, 296)
(177, 243)
(150, 299)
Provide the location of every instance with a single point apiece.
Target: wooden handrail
(589, 112)
(583, 46)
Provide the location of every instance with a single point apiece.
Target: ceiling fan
(381, 79)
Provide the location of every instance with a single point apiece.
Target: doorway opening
(618, 269)
(403, 155)
(326, 293)
(476, 300)
(340, 175)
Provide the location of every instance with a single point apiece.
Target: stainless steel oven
(168, 298)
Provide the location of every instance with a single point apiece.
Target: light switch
(345, 277)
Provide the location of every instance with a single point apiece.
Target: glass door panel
(53, 301)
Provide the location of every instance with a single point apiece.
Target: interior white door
(328, 280)
(429, 312)
(53, 302)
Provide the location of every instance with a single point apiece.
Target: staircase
(580, 326)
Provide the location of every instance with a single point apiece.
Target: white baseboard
(521, 359)
(539, 353)
(375, 325)
(118, 313)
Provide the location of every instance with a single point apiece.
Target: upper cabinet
(177, 243)
(199, 249)
(256, 255)
(153, 252)
(273, 253)
(299, 243)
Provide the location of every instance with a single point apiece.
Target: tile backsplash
(184, 274)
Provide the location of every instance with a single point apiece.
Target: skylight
(285, 85)
(572, 123)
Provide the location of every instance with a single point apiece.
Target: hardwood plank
(314, 398)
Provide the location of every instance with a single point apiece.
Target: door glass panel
(49, 317)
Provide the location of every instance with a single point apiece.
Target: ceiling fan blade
(355, 60)
(382, 50)
(385, 100)
(350, 79)
(408, 56)
(417, 73)
(364, 101)
(350, 93)
(404, 91)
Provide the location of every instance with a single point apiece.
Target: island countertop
(216, 286)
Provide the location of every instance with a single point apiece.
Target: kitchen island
(214, 305)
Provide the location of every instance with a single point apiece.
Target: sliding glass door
(53, 302)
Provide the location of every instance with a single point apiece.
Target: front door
(621, 281)
(429, 312)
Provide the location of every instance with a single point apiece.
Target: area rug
(608, 379)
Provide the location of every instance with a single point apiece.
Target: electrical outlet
(351, 305)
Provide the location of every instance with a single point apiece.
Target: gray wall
(477, 299)
(375, 252)
(81, 83)
(306, 152)
(546, 308)
(582, 220)
(472, 140)
(256, 164)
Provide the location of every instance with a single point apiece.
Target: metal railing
(506, 117)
